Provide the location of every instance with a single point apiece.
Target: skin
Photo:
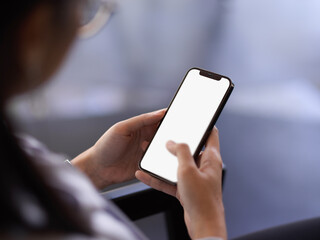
(115, 156)
(199, 188)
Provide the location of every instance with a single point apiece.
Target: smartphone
(189, 119)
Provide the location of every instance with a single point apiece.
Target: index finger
(156, 183)
(211, 158)
(213, 139)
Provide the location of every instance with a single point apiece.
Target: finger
(143, 120)
(144, 145)
(198, 160)
(156, 183)
(182, 152)
(213, 139)
(148, 132)
(211, 158)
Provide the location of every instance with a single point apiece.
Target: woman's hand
(199, 188)
(115, 156)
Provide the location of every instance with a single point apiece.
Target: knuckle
(220, 163)
(186, 171)
(118, 127)
(214, 154)
(212, 151)
(182, 147)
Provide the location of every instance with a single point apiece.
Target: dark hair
(12, 18)
(17, 170)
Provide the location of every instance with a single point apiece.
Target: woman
(44, 197)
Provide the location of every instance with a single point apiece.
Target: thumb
(182, 152)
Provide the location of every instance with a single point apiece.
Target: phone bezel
(213, 121)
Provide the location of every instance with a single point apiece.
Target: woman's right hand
(199, 188)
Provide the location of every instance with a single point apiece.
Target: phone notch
(210, 75)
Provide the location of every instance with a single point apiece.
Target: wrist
(85, 162)
(214, 228)
(209, 224)
(82, 161)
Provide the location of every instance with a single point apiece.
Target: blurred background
(270, 128)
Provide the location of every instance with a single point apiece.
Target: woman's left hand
(115, 156)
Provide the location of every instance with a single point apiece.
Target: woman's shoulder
(61, 176)
(47, 236)
(78, 193)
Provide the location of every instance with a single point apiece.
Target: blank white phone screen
(185, 122)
